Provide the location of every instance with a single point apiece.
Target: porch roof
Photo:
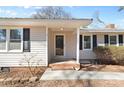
(102, 30)
(51, 23)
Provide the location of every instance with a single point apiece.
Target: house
(45, 39)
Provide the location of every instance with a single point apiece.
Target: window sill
(11, 51)
(2, 51)
(15, 51)
(87, 49)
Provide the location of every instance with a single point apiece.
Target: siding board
(38, 48)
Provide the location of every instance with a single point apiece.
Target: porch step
(62, 60)
(85, 61)
(64, 66)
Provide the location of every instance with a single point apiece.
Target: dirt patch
(82, 83)
(22, 72)
(71, 83)
(104, 68)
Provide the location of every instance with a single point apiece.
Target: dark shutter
(106, 39)
(120, 38)
(26, 40)
(94, 41)
(81, 42)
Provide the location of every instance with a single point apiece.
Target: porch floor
(65, 64)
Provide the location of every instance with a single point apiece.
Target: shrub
(110, 54)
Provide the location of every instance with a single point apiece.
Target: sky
(108, 14)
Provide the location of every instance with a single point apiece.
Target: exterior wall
(100, 37)
(89, 54)
(70, 45)
(39, 47)
(38, 51)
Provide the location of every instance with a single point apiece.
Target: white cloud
(8, 13)
(37, 7)
(32, 13)
(26, 7)
(122, 20)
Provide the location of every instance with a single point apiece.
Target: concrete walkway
(78, 75)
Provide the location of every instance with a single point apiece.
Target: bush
(110, 54)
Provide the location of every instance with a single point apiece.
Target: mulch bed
(22, 72)
(106, 68)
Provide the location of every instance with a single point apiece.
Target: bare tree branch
(121, 8)
(97, 22)
(51, 12)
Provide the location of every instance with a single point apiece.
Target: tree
(121, 8)
(97, 22)
(51, 12)
(33, 63)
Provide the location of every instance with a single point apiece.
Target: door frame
(57, 56)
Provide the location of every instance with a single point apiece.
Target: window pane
(15, 39)
(87, 42)
(113, 40)
(2, 39)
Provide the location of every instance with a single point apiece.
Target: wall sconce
(61, 28)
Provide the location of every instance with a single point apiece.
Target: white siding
(89, 54)
(38, 50)
(70, 43)
(100, 39)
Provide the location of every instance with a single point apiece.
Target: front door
(59, 45)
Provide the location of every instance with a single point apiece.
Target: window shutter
(80, 42)
(120, 38)
(26, 39)
(106, 39)
(94, 41)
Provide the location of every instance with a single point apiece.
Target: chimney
(110, 26)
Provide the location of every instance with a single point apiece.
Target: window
(2, 39)
(113, 40)
(81, 42)
(15, 39)
(26, 40)
(106, 40)
(94, 41)
(11, 39)
(87, 42)
(120, 38)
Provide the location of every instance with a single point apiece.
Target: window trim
(91, 37)
(21, 50)
(116, 40)
(5, 50)
(8, 39)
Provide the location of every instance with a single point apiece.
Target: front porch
(68, 64)
(65, 64)
(62, 45)
(63, 40)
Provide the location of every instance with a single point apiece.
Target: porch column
(77, 54)
(47, 46)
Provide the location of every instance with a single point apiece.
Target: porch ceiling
(51, 23)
